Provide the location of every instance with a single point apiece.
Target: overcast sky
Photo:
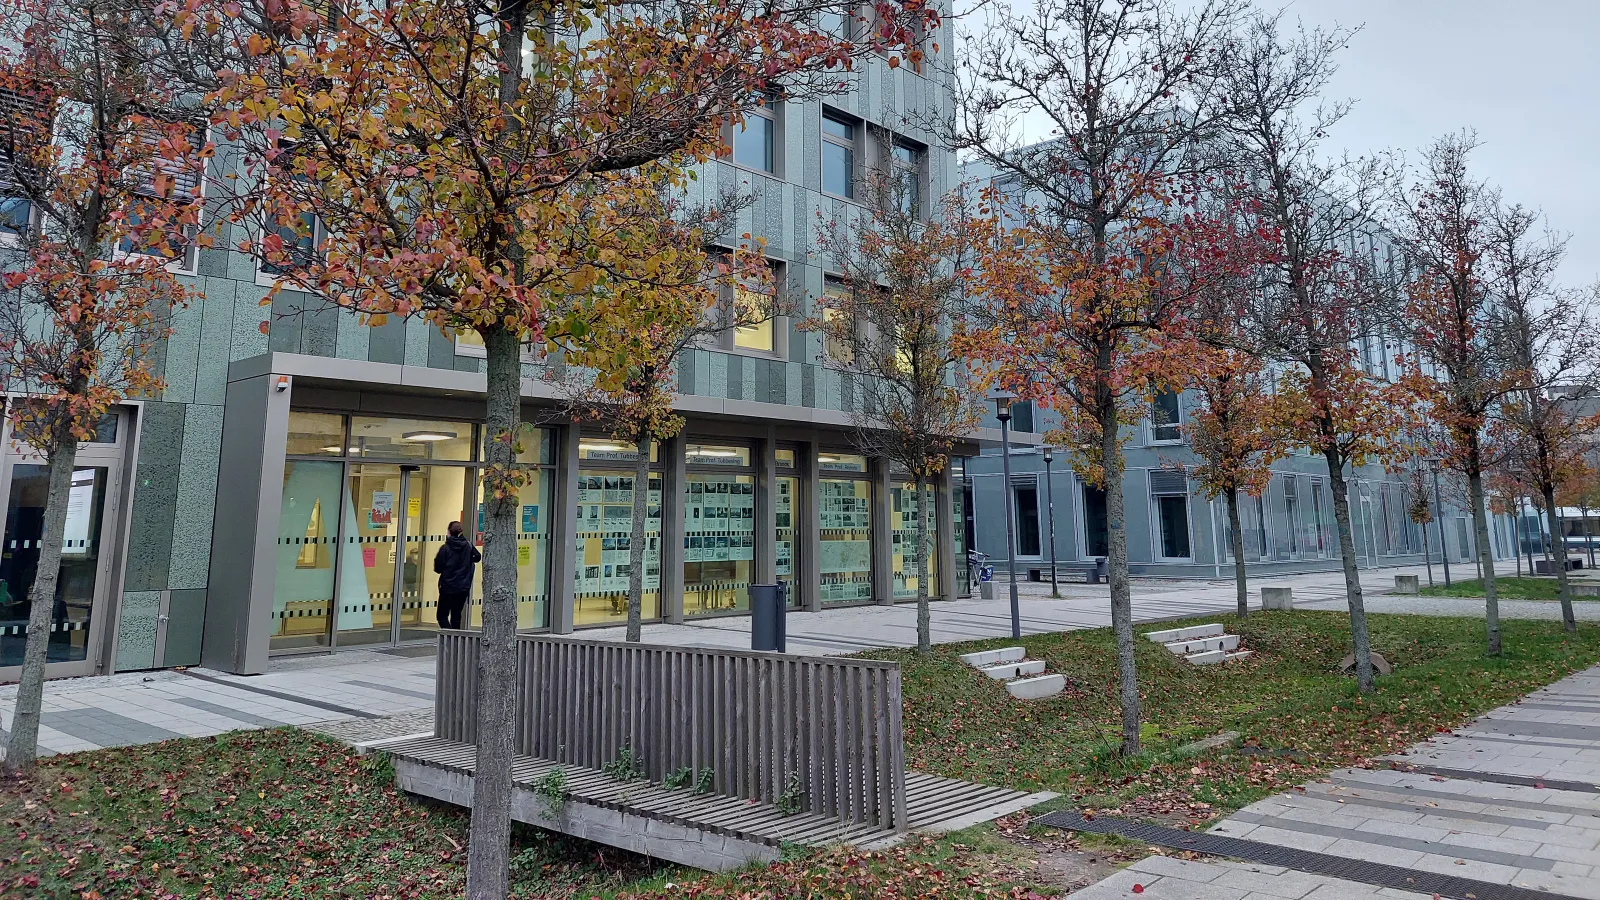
(1525, 75)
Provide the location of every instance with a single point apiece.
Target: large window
(18, 120)
(1096, 536)
(755, 143)
(845, 548)
(904, 505)
(166, 187)
(605, 533)
(1026, 503)
(787, 510)
(840, 147)
(1169, 494)
(719, 528)
(909, 163)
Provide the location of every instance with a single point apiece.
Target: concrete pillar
(808, 531)
(244, 553)
(882, 534)
(766, 475)
(1277, 598)
(672, 485)
(944, 543)
(564, 532)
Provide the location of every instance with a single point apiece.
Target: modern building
(1174, 530)
(288, 489)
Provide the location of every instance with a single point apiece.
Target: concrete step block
(1207, 657)
(1239, 654)
(984, 658)
(1014, 670)
(1185, 634)
(1037, 687)
(1198, 645)
(1277, 598)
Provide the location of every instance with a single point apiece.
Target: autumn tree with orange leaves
(1456, 367)
(100, 163)
(1080, 312)
(1324, 287)
(480, 164)
(896, 326)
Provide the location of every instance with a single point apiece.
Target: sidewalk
(1511, 800)
(348, 690)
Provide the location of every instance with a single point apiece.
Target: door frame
(99, 642)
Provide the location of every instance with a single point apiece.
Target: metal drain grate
(1376, 874)
(1549, 784)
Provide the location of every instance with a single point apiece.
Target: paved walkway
(345, 691)
(1512, 798)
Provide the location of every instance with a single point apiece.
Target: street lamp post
(1002, 411)
(1050, 505)
(1438, 516)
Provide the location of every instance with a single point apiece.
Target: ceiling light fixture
(428, 437)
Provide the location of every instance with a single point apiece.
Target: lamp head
(1049, 454)
(1002, 401)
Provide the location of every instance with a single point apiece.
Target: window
(755, 142)
(1174, 512)
(748, 319)
(301, 238)
(1022, 417)
(907, 161)
(468, 342)
(834, 347)
(167, 188)
(18, 117)
(838, 20)
(1097, 536)
(1166, 422)
(1026, 497)
(839, 137)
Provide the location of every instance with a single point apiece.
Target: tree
(1321, 292)
(477, 163)
(1582, 490)
(896, 324)
(1552, 346)
(1420, 510)
(99, 168)
(1077, 309)
(1448, 319)
(619, 362)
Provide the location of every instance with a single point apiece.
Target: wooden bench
(791, 750)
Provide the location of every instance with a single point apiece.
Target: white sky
(1524, 73)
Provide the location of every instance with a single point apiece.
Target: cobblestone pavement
(1512, 798)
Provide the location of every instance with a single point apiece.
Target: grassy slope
(1287, 701)
(1506, 588)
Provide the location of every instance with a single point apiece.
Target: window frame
(916, 167)
(770, 109)
(188, 263)
(727, 339)
(1156, 428)
(853, 145)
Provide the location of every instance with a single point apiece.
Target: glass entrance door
(434, 497)
(82, 558)
(374, 517)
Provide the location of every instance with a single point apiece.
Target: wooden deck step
(932, 803)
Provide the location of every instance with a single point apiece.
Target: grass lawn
(1297, 718)
(286, 814)
(1507, 588)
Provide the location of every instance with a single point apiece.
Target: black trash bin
(768, 603)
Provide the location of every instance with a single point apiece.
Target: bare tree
(1551, 339)
(894, 328)
(1317, 299)
(1449, 321)
(1077, 306)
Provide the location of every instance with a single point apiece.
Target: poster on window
(381, 514)
(80, 503)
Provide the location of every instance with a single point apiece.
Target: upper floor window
(840, 138)
(747, 311)
(1022, 417)
(755, 142)
(167, 187)
(908, 162)
(18, 117)
(1166, 423)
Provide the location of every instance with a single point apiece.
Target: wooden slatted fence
(823, 733)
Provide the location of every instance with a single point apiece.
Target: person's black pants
(451, 603)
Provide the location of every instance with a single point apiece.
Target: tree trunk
(1236, 539)
(1480, 527)
(23, 747)
(1352, 578)
(924, 618)
(1569, 620)
(636, 539)
(1121, 593)
(489, 844)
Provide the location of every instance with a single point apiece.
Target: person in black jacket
(454, 563)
